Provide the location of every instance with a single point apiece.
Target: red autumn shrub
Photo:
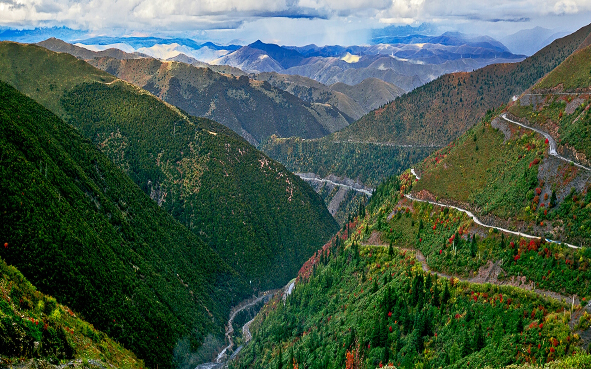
(533, 245)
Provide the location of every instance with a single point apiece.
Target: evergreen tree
(446, 295)
(428, 282)
(417, 289)
(455, 353)
(374, 287)
(280, 359)
(473, 247)
(519, 322)
(446, 360)
(390, 249)
(466, 344)
(553, 199)
(383, 333)
(435, 300)
(478, 343)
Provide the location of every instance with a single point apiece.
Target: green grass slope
(433, 114)
(43, 74)
(79, 229)
(572, 74)
(35, 326)
(261, 219)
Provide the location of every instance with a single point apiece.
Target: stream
(222, 359)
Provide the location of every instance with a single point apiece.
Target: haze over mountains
(406, 61)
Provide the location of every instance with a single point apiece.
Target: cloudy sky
(293, 22)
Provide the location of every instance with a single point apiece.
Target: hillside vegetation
(410, 284)
(43, 74)
(248, 208)
(559, 104)
(571, 75)
(506, 175)
(79, 229)
(367, 307)
(34, 325)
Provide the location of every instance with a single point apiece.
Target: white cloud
(566, 7)
(189, 15)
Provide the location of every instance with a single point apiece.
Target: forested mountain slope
(79, 229)
(244, 205)
(255, 110)
(366, 307)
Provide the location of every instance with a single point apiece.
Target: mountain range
(59, 46)
(423, 119)
(404, 65)
(252, 109)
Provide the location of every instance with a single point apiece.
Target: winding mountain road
(477, 221)
(552, 150)
(487, 279)
(323, 180)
